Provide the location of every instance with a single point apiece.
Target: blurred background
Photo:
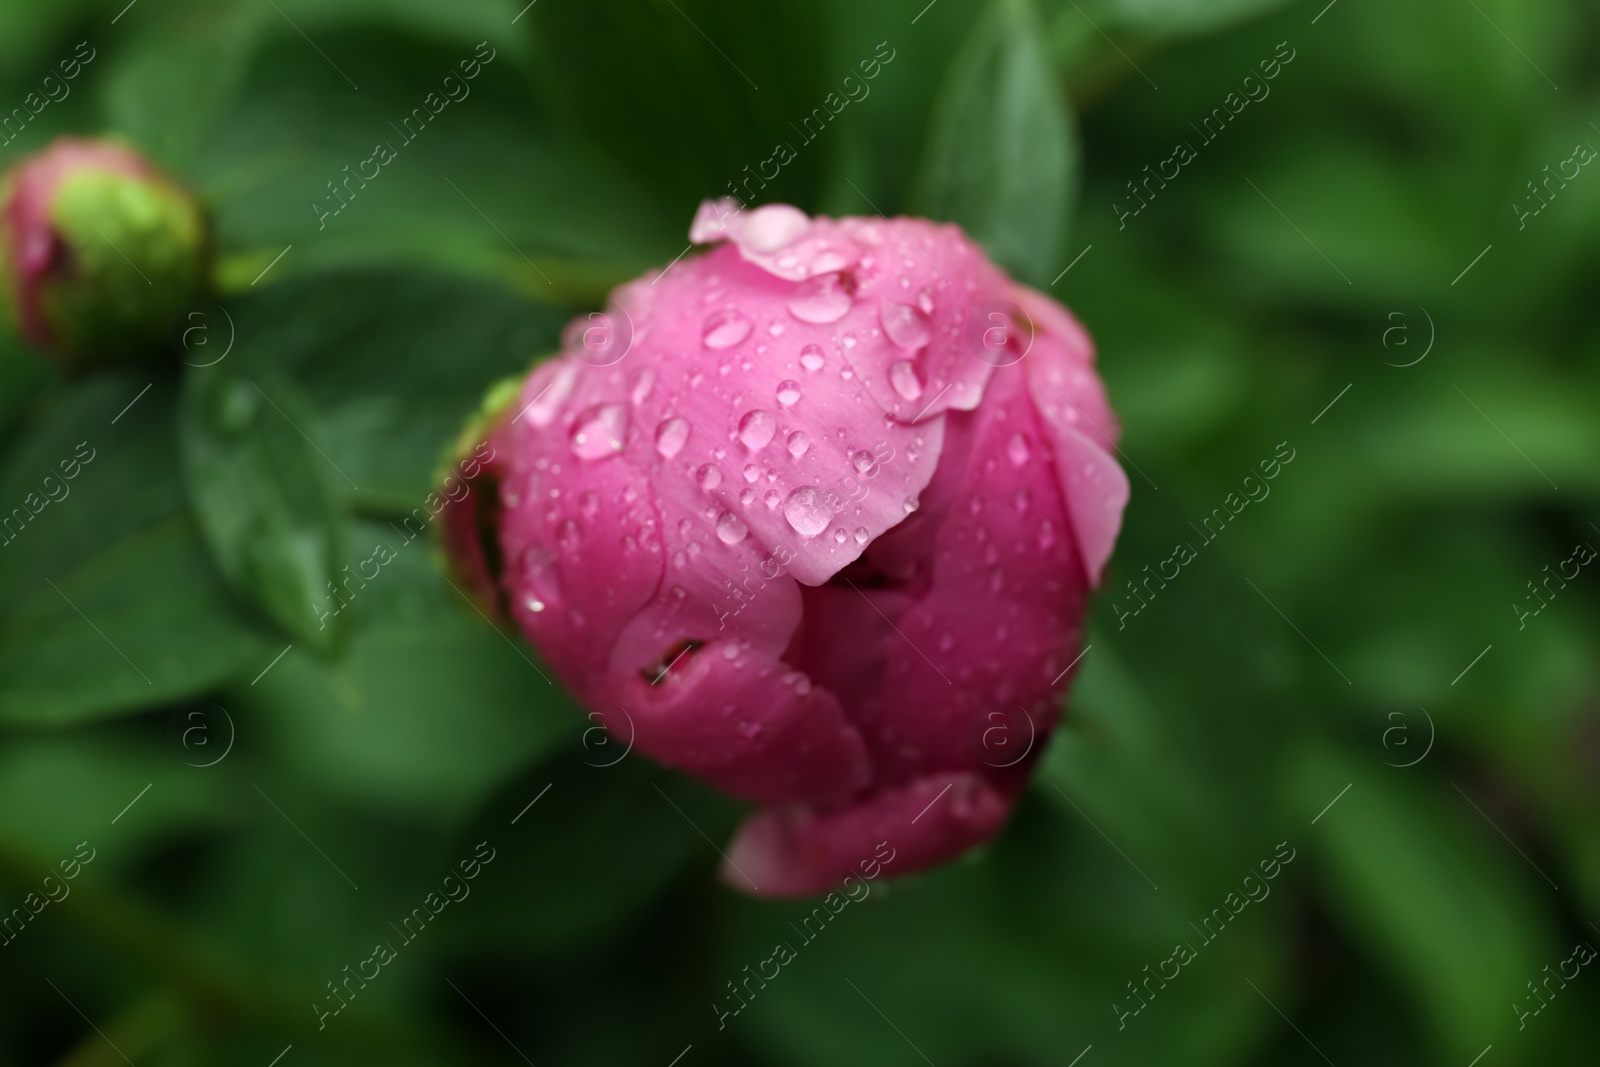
(1359, 264)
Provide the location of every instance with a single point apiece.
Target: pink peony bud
(99, 251)
(817, 511)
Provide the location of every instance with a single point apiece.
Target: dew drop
(568, 536)
(906, 379)
(725, 328)
(806, 512)
(771, 226)
(756, 429)
(730, 530)
(1047, 536)
(925, 300)
(588, 504)
(752, 473)
(1022, 501)
(821, 299)
(811, 358)
(599, 431)
(709, 476)
(788, 392)
(798, 443)
(543, 408)
(906, 326)
(1017, 449)
(864, 462)
(862, 535)
(670, 436)
(771, 499)
(644, 379)
(839, 536)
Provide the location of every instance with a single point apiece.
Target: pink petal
(794, 852)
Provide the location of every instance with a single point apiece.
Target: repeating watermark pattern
(54, 888)
(601, 339)
(995, 333)
(1537, 200)
(783, 953)
(1582, 555)
(55, 491)
(784, 153)
(597, 743)
(383, 153)
(1185, 553)
(1397, 739)
(455, 889)
(455, 488)
(203, 736)
(56, 89)
(1184, 153)
(190, 337)
(1582, 954)
(1398, 336)
(1185, 953)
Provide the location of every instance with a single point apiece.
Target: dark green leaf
(263, 492)
(1001, 158)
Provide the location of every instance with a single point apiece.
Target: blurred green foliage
(1348, 239)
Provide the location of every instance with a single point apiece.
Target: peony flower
(99, 251)
(813, 517)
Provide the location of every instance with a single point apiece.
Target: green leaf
(141, 622)
(262, 492)
(1167, 18)
(1001, 159)
(1432, 892)
(429, 708)
(414, 356)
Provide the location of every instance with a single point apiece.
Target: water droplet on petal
(771, 226)
(1047, 536)
(747, 497)
(756, 429)
(708, 476)
(599, 431)
(534, 604)
(806, 512)
(906, 326)
(1022, 501)
(925, 300)
(752, 473)
(588, 504)
(1017, 449)
(569, 535)
(726, 328)
(821, 299)
(864, 462)
(839, 536)
(670, 436)
(730, 530)
(543, 408)
(644, 379)
(772, 498)
(906, 379)
(862, 535)
(811, 358)
(798, 444)
(788, 392)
